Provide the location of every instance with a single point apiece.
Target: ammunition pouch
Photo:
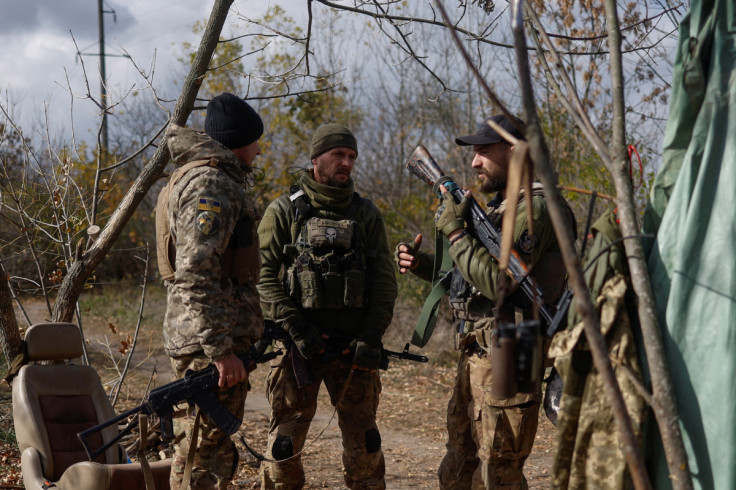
(481, 335)
(241, 260)
(326, 273)
(516, 359)
(467, 303)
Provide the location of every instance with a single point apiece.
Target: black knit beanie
(330, 136)
(232, 121)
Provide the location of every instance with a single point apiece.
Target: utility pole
(103, 73)
(103, 76)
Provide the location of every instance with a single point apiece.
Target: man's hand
(452, 220)
(406, 255)
(307, 340)
(232, 371)
(367, 358)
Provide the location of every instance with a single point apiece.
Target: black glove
(307, 339)
(367, 357)
(412, 249)
(453, 215)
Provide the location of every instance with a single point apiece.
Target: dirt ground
(411, 416)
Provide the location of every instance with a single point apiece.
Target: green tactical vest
(325, 266)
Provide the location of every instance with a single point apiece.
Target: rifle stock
(196, 387)
(423, 166)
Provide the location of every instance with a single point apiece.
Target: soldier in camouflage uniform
(589, 444)
(209, 257)
(327, 269)
(489, 439)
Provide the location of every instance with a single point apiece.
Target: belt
(482, 336)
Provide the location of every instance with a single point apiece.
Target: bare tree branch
(10, 339)
(476, 37)
(583, 302)
(121, 379)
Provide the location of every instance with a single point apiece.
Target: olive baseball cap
(332, 135)
(485, 135)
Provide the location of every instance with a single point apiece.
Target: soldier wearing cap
(327, 270)
(209, 258)
(489, 439)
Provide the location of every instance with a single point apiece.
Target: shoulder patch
(208, 204)
(208, 223)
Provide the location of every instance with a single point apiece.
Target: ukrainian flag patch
(207, 204)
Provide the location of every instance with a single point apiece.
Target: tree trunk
(86, 262)
(664, 407)
(9, 333)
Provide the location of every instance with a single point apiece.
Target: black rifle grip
(301, 370)
(212, 408)
(166, 425)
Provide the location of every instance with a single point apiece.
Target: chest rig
(325, 265)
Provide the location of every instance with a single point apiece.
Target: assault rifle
(422, 165)
(196, 387)
(336, 343)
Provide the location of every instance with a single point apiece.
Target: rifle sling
(428, 316)
(142, 446)
(186, 480)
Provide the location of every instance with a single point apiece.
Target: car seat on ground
(54, 402)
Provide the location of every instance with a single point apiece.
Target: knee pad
(372, 440)
(282, 448)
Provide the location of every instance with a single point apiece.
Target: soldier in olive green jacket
(327, 270)
(489, 438)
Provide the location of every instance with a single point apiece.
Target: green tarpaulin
(692, 261)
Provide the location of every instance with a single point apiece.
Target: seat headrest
(53, 342)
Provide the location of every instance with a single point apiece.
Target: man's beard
(490, 184)
(332, 182)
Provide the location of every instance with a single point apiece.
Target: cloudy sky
(38, 52)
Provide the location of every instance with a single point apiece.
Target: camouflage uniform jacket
(207, 310)
(277, 229)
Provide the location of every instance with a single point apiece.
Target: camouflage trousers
(589, 451)
(292, 410)
(216, 457)
(487, 445)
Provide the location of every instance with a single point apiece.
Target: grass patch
(7, 434)
(122, 304)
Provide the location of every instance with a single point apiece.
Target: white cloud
(38, 47)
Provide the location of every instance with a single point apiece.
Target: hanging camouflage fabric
(587, 441)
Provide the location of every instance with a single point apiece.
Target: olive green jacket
(479, 268)
(277, 230)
